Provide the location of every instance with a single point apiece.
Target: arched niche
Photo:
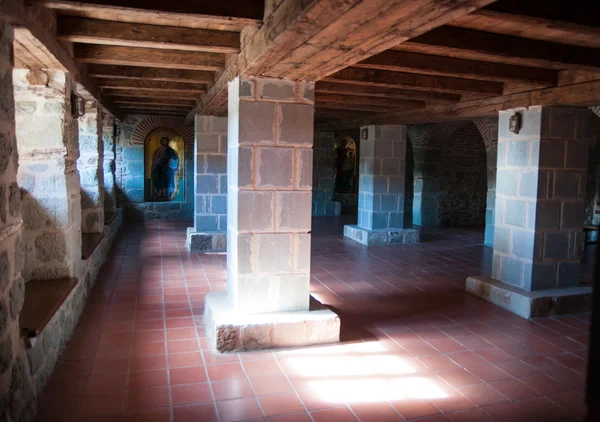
(164, 158)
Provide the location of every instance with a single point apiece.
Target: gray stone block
(396, 185)
(206, 183)
(256, 211)
(518, 152)
(293, 210)
(273, 253)
(389, 203)
(218, 204)
(512, 271)
(216, 164)
(552, 154)
(275, 167)
(539, 276)
(502, 239)
(577, 155)
(296, 124)
(506, 182)
(556, 246)
(566, 184)
(256, 122)
(547, 214)
(528, 183)
(276, 89)
(523, 243)
(515, 212)
(568, 274)
(206, 223)
(380, 184)
(573, 215)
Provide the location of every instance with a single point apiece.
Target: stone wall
(210, 184)
(130, 169)
(108, 140)
(90, 166)
(323, 203)
(592, 199)
(17, 394)
(48, 176)
(450, 174)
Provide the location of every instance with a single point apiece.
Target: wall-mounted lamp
(77, 105)
(364, 133)
(515, 122)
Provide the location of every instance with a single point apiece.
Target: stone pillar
(108, 140)
(48, 152)
(210, 186)
(324, 176)
(540, 194)
(381, 189)
(269, 168)
(17, 395)
(90, 166)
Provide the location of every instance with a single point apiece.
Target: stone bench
(89, 243)
(43, 299)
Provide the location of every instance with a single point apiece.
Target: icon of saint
(165, 164)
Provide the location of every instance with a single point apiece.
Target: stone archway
(141, 131)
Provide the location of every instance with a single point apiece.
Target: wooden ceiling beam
(385, 92)
(363, 100)
(390, 79)
(580, 94)
(309, 40)
(150, 74)
(536, 28)
(155, 101)
(151, 94)
(218, 15)
(149, 57)
(159, 86)
(95, 31)
(354, 107)
(401, 61)
(485, 46)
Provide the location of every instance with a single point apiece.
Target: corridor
(415, 345)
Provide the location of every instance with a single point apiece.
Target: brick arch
(141, 131)
(488, 128)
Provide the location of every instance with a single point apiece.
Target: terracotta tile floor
(415, 346)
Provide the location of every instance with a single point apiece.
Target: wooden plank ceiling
(400, 59)
(482, 59)
(153, 56)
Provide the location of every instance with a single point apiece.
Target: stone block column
(381, 189)
(269, 170)
(17, 391)
(109, 143)
(539, 216)
(324, 176)
(48, 177)
(91, 169)
(210, 186)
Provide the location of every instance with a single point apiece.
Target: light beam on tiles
(350, 365)
(359, 348)
(369, 390)
(418, 388)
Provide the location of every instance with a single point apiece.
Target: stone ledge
(531, 304)
(205, 241)
(382, 236)
(231, 331)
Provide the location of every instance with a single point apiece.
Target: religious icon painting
(164, 163)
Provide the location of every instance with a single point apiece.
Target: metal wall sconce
(77, 105)
(364, 133)
(515, 123)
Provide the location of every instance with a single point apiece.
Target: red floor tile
(280, 404)
(191, 393)
(140, 351)
(238, 409)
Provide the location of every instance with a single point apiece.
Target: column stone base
(231, 331)
(205, 241)
(533, 304)
(382, 236)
